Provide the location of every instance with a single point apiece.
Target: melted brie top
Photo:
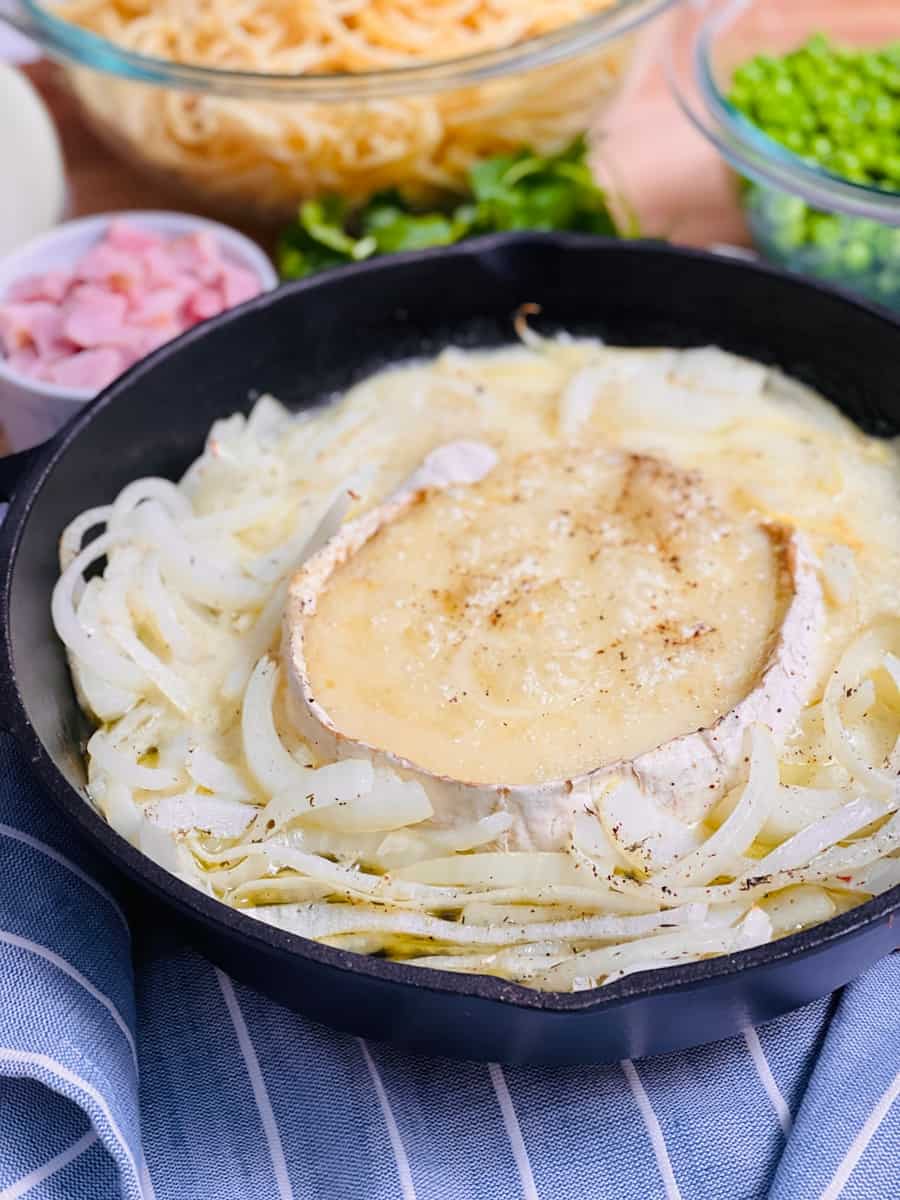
(573, 608)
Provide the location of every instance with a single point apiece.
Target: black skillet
(305, 342)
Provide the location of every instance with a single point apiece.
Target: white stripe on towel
(7, 1054)
(406, 1183)
(514, 1133)
(39, 1174)
(657, 1141)
(26, 839)
(862, 1139)
(13, 939)
(767, 1079)
(146, 1181)
(260, 1094)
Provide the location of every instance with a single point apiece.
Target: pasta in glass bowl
(252, 106)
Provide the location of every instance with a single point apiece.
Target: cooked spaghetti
(176, 651)
(268, 155)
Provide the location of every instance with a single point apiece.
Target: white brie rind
(686, 775)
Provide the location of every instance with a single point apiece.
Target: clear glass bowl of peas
(803, 99)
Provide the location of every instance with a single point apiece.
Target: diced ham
(238, 284)
(124, 236)
(52, 286)
(92, 369)
(47, 332)
(24, 361)
(116, 269)
(15, 327)
(198, 253)
(205, 303)
(36, 326)
(131, 292)
(159, 307)
(94, 316)
(160, 269)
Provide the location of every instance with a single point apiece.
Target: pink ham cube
(37, 326)
(124, 236)
(199, 254)
(115, 269)
(93, 316)
(159, 307)
(238, 284)
(205, 303)
(160, 269)
(52, 286)
(15, 327)
(90, 369)
(24, 361)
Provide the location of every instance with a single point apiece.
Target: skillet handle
(14, 467)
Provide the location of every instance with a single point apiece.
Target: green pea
(870, 152)
(845, 162)
(785, 209)
(857, 256)
(884, 113)
(825, 229)
(837, 108)
(887, 244)
(795, 140)
(887, 286)
(749, 74)
(741, 96)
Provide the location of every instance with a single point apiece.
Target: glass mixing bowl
(800, 216)
(250, 145)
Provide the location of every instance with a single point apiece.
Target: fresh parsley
(506, 192)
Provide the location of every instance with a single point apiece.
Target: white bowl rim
(160, 219)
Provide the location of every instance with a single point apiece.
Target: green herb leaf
(393, 228)
(507, 192)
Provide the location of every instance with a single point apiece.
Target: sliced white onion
(794, 808)
(328, 920)
(693, 939)
(865, 655)
(210, 772)
(505, 869)
(201, 579)
(121, 810)
(797, 908)
(274, 769)
(95, 655)
(717, 854)
(165, 493)
(877, 877)
(406, 846)
(381, 803)
(803, 847)
(124, 769)
(219, 815)
(339, 786)
(645, 834)
(70, 544)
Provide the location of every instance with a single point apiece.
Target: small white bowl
(32, 410)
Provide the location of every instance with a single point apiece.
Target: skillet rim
(234, 924)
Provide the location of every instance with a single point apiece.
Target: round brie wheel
(515, 635)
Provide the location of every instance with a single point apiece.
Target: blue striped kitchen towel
(165, 1079)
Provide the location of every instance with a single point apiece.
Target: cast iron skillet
(303, 343)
